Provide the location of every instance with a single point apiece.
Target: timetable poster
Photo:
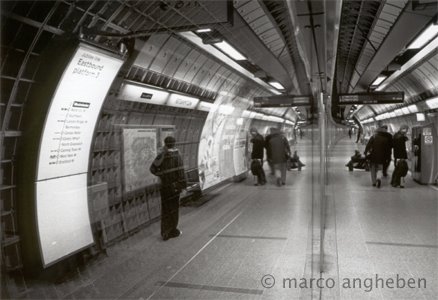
(74, 109)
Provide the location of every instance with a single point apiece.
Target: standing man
(168, 165)
(258, 145)
(350, 132)
(280, 151)
(379, 148)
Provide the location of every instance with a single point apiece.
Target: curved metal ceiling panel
(164, 55)
(219, 78)
(150, 50)
(258, 17)
(428, 76)
(185, 66)
(290, 55)
(212, 67)
(356, 21)
(206, 72)
(178, 57)
(195, 68)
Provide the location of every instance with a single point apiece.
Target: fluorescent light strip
(432, 103)
(196, 40)
(277, 85)
(230, 50)
(379, 80)
(203, 30)
(432, 46)
(428, 34)
(413, 108)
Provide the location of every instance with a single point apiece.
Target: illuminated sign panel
(177, 100)
(137, 93)
(204, 106)
(70, 122)
(372, 98)
(63, 218)
(281, 101)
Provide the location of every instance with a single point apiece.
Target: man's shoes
(172, 234)
(256, 184)
(278, 182)
(374, 184)
(378, 183)
(175, 233)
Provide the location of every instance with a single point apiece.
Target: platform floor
(386, 232)
(246, 232)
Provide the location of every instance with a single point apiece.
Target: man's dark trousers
(169, 211)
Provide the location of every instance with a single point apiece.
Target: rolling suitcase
(400, 171)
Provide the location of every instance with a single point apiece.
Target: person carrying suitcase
(258, 144)
(399, 144)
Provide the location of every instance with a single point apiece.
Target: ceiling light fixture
(229, 50)
(277, 85)
(378, 80)
(203, 30)
(426, 36)
(432, 103)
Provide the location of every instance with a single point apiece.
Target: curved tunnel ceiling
(365, 28)
(383, 30)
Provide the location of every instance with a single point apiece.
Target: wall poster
(139, 151)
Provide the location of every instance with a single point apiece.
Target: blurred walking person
(378, 149)
(400, 155)
(280, 153)
(258, 147)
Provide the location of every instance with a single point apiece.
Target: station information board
(73, 112)
(372, 98)
(282, 101)
(63, 221)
